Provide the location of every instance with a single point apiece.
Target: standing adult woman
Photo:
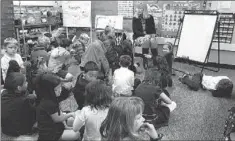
(144, 30)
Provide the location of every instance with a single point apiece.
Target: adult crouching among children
(96, 53)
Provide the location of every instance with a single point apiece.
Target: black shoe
(183, 77)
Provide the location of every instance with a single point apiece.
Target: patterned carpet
(198, 115)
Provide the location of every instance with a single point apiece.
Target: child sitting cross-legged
(98, 98)
(18, 112)
(158, 103)
(123, 78)
(125, 122)
(51, 120)
(89, 74)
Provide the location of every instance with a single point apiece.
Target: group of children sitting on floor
(120, 107)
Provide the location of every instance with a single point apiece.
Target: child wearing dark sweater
(18, 112)
(90, 73)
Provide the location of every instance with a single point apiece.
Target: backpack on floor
(229, 125)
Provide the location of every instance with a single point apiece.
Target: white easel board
(196, 37)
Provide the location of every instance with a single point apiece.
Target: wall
(7, 20)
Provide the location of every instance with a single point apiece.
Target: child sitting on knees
(18, 113)
(98, 98)
(51, 121)
(123, 78)
(125, 122)
(90, 73)
(11, 46)
(157, 101)
(59, 57)
(220, 86)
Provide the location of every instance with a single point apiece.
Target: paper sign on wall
(224, 4)
(115, 21)
(76, 13)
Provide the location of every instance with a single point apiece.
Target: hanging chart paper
(102, 21)
(76, 13)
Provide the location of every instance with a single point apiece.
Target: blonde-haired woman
(144, 30)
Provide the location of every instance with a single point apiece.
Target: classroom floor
(198, 115)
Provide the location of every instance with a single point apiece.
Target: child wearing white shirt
(11, 45)
(98, 98)
(123, 78)
(220, 86)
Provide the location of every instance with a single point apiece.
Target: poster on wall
(173, 12)
(156, 12)
(224, 4)
(102, 21)
(125, 8)
(76, 13)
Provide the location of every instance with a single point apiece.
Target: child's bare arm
(62, 117)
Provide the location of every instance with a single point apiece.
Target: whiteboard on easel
(196, 37)
(114, 21)
(76, 13)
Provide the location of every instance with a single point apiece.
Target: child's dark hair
(13, 67)
(98, 95)
(54, 43)
(153, 77)
(161, 63)
(13, 80)
(223, 89)
(90, 66)
(63, 41)
(125, 61)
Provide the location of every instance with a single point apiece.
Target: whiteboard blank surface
(196, 36)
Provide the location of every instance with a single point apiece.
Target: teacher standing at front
(144, 30)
